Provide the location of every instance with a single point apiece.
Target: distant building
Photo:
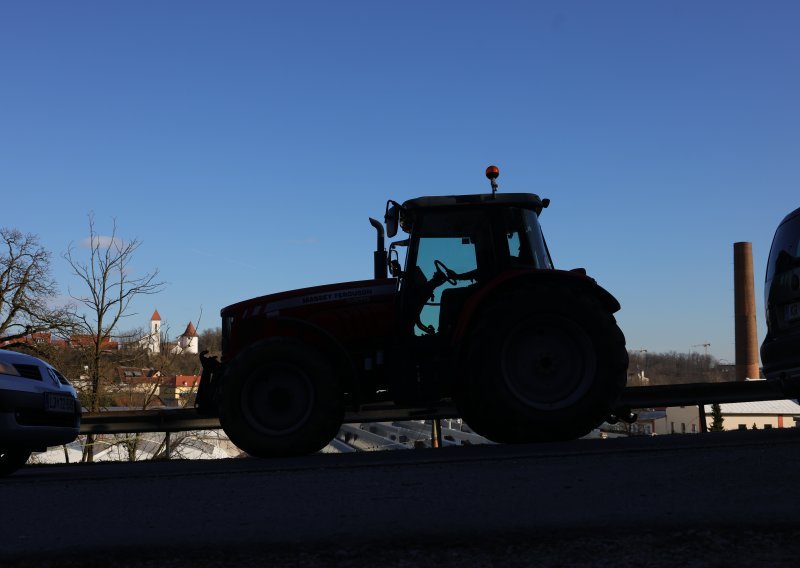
(649, 422)
(762, 415)
(136, 374)
(46, 338)
(187, 341)
(736, 416)
(152, 341)
(146, 387)
(683, 420)
(84, 341)
(179, 387)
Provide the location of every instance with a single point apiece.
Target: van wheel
(281, 398)
(542, 364)
(12, 459)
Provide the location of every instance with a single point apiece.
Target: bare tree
(27, 290)
(109, 289)
(673, 367)
(211, 340)
(159, 387)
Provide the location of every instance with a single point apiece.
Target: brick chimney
(745, 312)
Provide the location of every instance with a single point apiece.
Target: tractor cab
(457, 245)
(458, 251)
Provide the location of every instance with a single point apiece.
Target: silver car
(38, 408)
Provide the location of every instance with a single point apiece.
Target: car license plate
(59, 403)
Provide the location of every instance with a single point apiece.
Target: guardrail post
(703, 424)
(436, 433)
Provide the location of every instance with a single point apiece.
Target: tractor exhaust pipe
(379, 255)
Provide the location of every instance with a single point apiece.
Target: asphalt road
(726, 499)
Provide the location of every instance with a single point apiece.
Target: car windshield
(785, 249)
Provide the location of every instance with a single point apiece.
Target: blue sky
(246, 143)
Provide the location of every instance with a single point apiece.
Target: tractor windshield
(523, 236)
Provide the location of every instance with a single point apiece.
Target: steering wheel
(444, 271)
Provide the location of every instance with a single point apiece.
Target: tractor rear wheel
(281, 398)
(542, 364)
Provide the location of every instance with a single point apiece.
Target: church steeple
(155, 333)
(188, 340)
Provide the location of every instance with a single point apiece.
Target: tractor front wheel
(281, 398)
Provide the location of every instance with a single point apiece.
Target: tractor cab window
(440, 254)
(525, 247)
(443, 269)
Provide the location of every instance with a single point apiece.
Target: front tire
(281, 398)
(542, 364)
(12, 459)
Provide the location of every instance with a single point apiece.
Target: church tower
(154, 343)
(189, 340)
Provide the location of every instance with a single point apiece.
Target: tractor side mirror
(394, 258)
(394, 265)
(392, 217)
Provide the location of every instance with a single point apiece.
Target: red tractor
(478, 324)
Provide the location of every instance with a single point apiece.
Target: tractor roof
(525, 200)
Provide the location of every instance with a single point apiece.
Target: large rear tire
(542, 364)
(11, 459)
(281, 398)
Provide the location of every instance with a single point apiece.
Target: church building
(187, 342)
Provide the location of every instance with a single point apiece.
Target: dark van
(780, 352)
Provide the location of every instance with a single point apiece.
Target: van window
(785, 247)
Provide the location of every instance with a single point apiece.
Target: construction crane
(705, 346)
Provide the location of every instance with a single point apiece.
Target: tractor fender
(503, 283)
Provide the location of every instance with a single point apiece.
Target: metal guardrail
(689, 394)
(144, 421)
(185, 419)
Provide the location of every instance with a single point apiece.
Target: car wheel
(12, 459)
(281, 398)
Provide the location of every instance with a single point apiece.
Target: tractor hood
(315, 298)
